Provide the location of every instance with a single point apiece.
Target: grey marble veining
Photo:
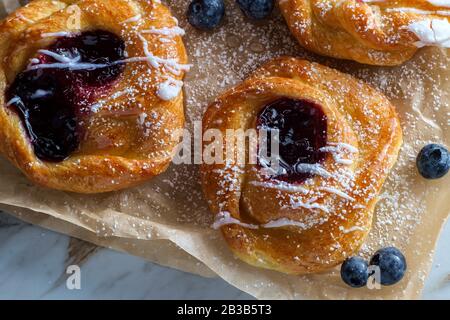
(33, 262)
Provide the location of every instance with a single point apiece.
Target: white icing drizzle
(319, 170)
(280, 185)
(74, 64)
(431, 32)
(12, 101)
(285, 222)
(64, 62)
(352, 229)
(164, 40)
(337, 192)
(97, 106)
(68, 65)
(133, 19)
(269, 170)
(172, 65)
(419, 11)
(119, 93)
(59, 57)
(345, 146)
(141, 118)
(296, 202)
(316, 169)
(224, 218)
(56, 34)
(169, 89)
(39, 93)
(337, 150)
(165, 31)
(440, 3)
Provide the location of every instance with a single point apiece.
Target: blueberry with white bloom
(206, 14)
(392, 265)
(433, 161)
(354, 272)
(256, 9)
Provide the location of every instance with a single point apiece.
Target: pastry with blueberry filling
(91, 92)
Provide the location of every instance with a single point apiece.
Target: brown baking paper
(167, 221)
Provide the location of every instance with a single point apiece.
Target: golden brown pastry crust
(371, 32)
(312, 240)
(131, 150)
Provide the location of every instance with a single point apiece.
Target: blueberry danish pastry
(338, 139)
(91, 92)
(377, 32)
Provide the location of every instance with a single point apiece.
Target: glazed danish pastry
(374, 32)
(338, 139)
(92, 92)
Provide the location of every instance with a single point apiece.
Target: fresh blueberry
(354, 272)
(433, 161)
(392, 265)
(256, 9)
(206, 14)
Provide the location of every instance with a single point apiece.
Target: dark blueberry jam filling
(302, 127)
(52, 101)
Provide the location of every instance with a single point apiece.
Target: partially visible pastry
(378, 32)
(91, 92)
(338, 139)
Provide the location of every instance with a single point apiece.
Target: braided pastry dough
(308, 226)
(378, 32)
(125, 110)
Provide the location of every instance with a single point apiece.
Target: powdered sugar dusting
(172, 205)
(224, 57)
(234, 56)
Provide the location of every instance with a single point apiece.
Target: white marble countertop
(33, 264)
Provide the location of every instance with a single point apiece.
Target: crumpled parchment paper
(167, 221)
